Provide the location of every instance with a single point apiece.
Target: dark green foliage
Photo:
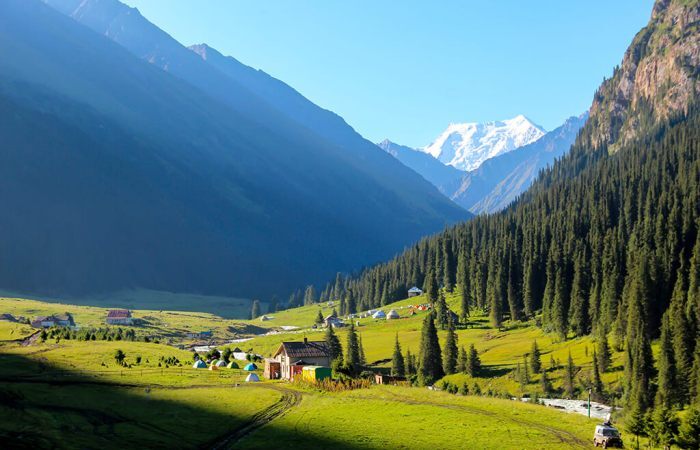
(255, 309)
(226, 354)
(442, 312)
(430, 368)
(411, 366)
(604, 354)
(569, 377)
(535, 358)
(119, 356)
(363, 360)
(473, 365)
(598, 389)
(431, 287)
(462, 361)
(334, 346)
(450, 352)
(464, 285)
(689, 431)
(319, 318)
(310, 295)
(352, 358)
(397, 362)
(449, 270)
(667, 394)
(664, 427)
(545, 384)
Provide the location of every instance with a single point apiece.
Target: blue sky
(404, 70)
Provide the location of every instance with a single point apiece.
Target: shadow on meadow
(42, 406)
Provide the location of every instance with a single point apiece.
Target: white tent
(252, 378)
(379, 315)
(393, 315)
(199, 364)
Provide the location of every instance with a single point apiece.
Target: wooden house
(293, 356)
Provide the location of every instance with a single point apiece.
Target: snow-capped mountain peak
(467, 145)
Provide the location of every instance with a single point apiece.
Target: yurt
(393, 315)
(250, 367)
(233, 365)
(221, 363)
(199, 364)
(252, 378)
(379, 315)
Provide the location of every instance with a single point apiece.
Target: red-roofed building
(119, 317)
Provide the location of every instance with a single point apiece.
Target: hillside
(606, 243)
(86, 370)
(139, 178)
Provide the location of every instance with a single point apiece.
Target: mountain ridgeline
(607, 240)
(131, 161)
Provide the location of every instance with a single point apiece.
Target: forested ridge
(606, 242)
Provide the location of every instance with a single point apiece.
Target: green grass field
(154, 404)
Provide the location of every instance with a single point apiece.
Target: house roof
(118, 314)
(308, 349)
(415, 289)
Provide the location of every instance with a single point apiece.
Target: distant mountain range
(497, 180)
(466, 146)
(131, 161)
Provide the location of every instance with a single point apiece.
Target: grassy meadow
(158, 400)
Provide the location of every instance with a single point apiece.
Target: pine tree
(473, 362)
(598, 388)
(363, 360)
(667, 392)
(525, 372)
(397, 362)
(410, 363)
(535, 358)
(580, 323)
(449, 356)
(319, 318)
(464, 286)
(310, 295)
(449, 271)
(570, 373)
(462, 361)
(604, 354)
(682, 336)
(545, 384)
(664, 427)
(255, 309)
(689, 431)
(442, 312)
(430, 367)
(352, 357)
(431, 286)
(335, 349)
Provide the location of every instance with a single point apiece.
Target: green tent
(232, 365)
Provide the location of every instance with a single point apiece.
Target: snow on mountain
(467, 145)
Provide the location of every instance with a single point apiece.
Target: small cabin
(414, 292)
(56, 320)
(119, 317)
(380, 378)
(293, 356)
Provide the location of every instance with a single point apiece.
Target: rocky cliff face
(658, 76)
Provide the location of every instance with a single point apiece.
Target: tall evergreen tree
(579, 322)
(442, 312)
(667, 394)
(397, 363)
(535, 358)
(473, 362)
(462, 361)
(410, 363)
(598, 388)
(310, 295)
(569, 377)
(449, 271)
(545, 384)
(464, 285)
(449, 355)
(604, 354)
(431, 286)
(335, 349)
(255, 309)
(430, 367)
(352, 357)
